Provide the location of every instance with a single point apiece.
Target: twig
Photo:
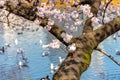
(8, 22)
(108, 55)
(105, 10)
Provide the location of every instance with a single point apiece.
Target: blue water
(101, 68)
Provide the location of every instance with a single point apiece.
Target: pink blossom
(41, 14)
(56, 11)
(43, 4)
(86, 9)
(66, 25)
(90, 15)
(2, 3)
(74, 14)
(55, 44)
(66, 37)
(73, 28)
(118, 13)
(51, 22)
(37, 21)
(58, 17)
(94, 21)
(48, 27)
(77, 22)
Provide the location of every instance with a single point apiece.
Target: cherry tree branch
(8, 22)
(105, 10)
(107, 29)
(108, 55)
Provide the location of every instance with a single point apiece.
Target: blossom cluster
(2, 3)
(49, 24)
(86, 10)
(54, 44)
(66, 37)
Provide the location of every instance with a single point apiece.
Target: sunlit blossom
(43, 4)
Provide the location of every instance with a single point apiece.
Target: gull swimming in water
(2, 50)
(45, 53)
(117, 52)
(40, 41)
(53, 68)
(20, 51)
(22, 64)
(60, 60)
(16, 41)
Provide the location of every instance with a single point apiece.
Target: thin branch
(8, 22)
(105, 10)
(108, 55)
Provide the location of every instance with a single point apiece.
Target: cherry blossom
(90, 15)
(73, 28)
(37, 21)
(86, 8)
(58, 17)
(118, 12)
(66, 25)
(54, 44)
(2, 3)
(48, 27)
(95, 21)
(50, 22)
(74, 14)
(56, 11)
(66, 37)
(41, 14)
(77, 22)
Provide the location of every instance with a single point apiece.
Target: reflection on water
(101, 68)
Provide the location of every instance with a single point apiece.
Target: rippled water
(101, 68)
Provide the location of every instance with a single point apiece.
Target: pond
(101, 68)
